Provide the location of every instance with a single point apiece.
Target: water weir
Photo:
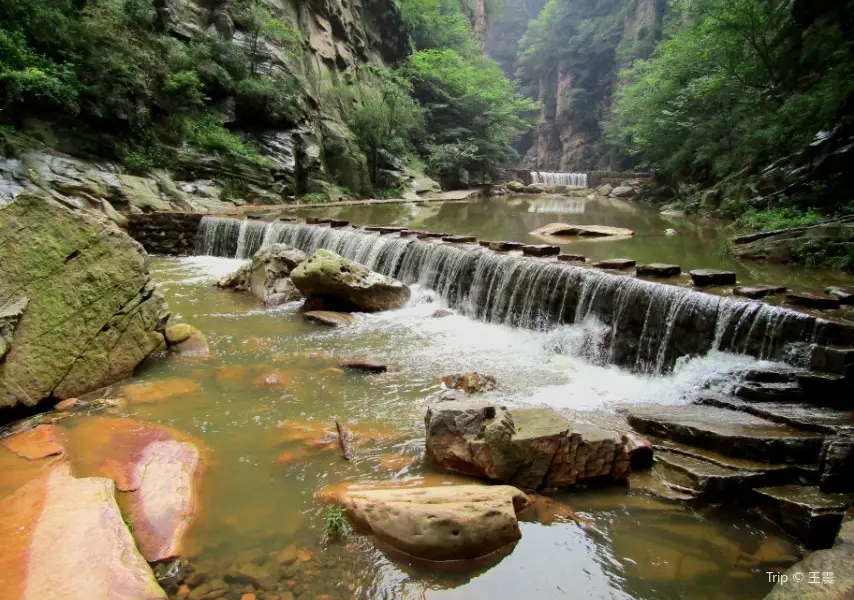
(559, 178)
(631, 322)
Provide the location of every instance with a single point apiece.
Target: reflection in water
(265, 399)
(556, 205)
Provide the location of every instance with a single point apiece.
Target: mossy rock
(186, 340)
(93, 312)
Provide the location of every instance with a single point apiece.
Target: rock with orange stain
(247, 597)
(304, 555)
(157, 391)
(40, 442)
(64, 539)
(288, 457)
(547, 510)
(159, 467)
(335, 492)
(317, 434)
(66, 404)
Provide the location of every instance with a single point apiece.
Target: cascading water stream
(559, 178)
(630, 322)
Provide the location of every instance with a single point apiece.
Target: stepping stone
(769, 392)
(287, 219)
(708, 480)
(425, 235)
(334, 222)
(571, 258)
(312, 220)
(364, 365)
(328, 318)
(442, 313)
(807, 417)
(384, 229)
(540, 250)
(659, 270)
(845, 295)
(832, 359)
(654, 483)
(758, 291)
(503, 246)
(459, 239)
(811, 300)
(770, 376)
(781, 473)
(804, 512)
(618, 264)
(727, 432)
(704, 277)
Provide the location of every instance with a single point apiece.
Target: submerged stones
(708, 277)
(447, 523)
(531, 448)
(93, 313)
(36, 443)
(329, 275)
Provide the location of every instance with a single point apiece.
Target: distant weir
(630, 322)
(559, 178)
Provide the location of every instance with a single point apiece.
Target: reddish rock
(64, 539)
(364, 365)
(36, 443)
(66, 404)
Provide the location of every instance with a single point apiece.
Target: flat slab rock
(758, 291)
(811, 300)
(447, 523)
(64, 539)
(503, 246)
(540, 250)
(579, 258)
(459, 239)
(728, 432)
(531, 448)
(659, 270)
(33, 444)
(811, 516)
(328, 318)
(705, 277)
(804, 416)
(569, 230)
(618, 264)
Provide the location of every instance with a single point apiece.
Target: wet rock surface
(450, 523)
(540, 250)
(758, 291)
(326, 274)
(658, 270)
(470, 383)
(845, 295)
(812, 300)
(579, 258)
(186, 340)
(364, 365)
(805, 512)
(328, 318)
(708, 277)
(93, 313)
(616, 264)
(267, 275)
(528, 447)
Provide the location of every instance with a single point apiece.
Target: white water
(559, 178)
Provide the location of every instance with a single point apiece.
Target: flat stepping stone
(426, 235)
(770, 376)
(618, 264)
(503, 246)
(755, 292)
(540, 250)
(708, 479)
(572, 258)
(568, 230)
(706, 277)
(459, 239)
(328, 318)
(783, 473)
(334, 222)
(803, 511)
(659, 270)
(653, 482)
(364, 365)
(728, 432)
(287, 219)
(811, 300)
(801, 416)
(845, 295)
(769, 392)
(384, 229)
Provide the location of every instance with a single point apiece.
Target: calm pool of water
(271, 384)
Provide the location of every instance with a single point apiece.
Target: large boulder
(267, 276)
(64, 538)
(459, 522)
(348, 284)
(566, 230)
(93, 313)
(530, 448)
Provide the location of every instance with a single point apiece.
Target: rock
(832, 239)
(831, 359)
(503, 246)
(531, 448)
(10, 314)
(287, 555)
(623, 191)
(459, 239)
(326, 274)
(334, 222)
(448, 523)
(186, 340)
(442, 313)
(328, 318)
(93, 313)
(804, 512)
(515, 186)
(836, 464)
(571, 258)
(659, 270)
(812, 300)
(618, 264)
(364, 365)
(604, 189)
(704, 277)
(536, 188)
(540, 250)
(470, 383)
(66, 404)
(758, 291)
(567, 230)
(640, 450)
(845, 295)
(64, 539)
(266, 276)
(40, 442)
(158, 390)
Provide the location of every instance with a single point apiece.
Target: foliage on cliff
(746, 92)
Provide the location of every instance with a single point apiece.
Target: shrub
(265, 100)
(335, 522)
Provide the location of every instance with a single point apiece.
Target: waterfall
(631, 322)
(559, 178)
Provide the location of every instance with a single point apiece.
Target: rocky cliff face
(575, 81)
